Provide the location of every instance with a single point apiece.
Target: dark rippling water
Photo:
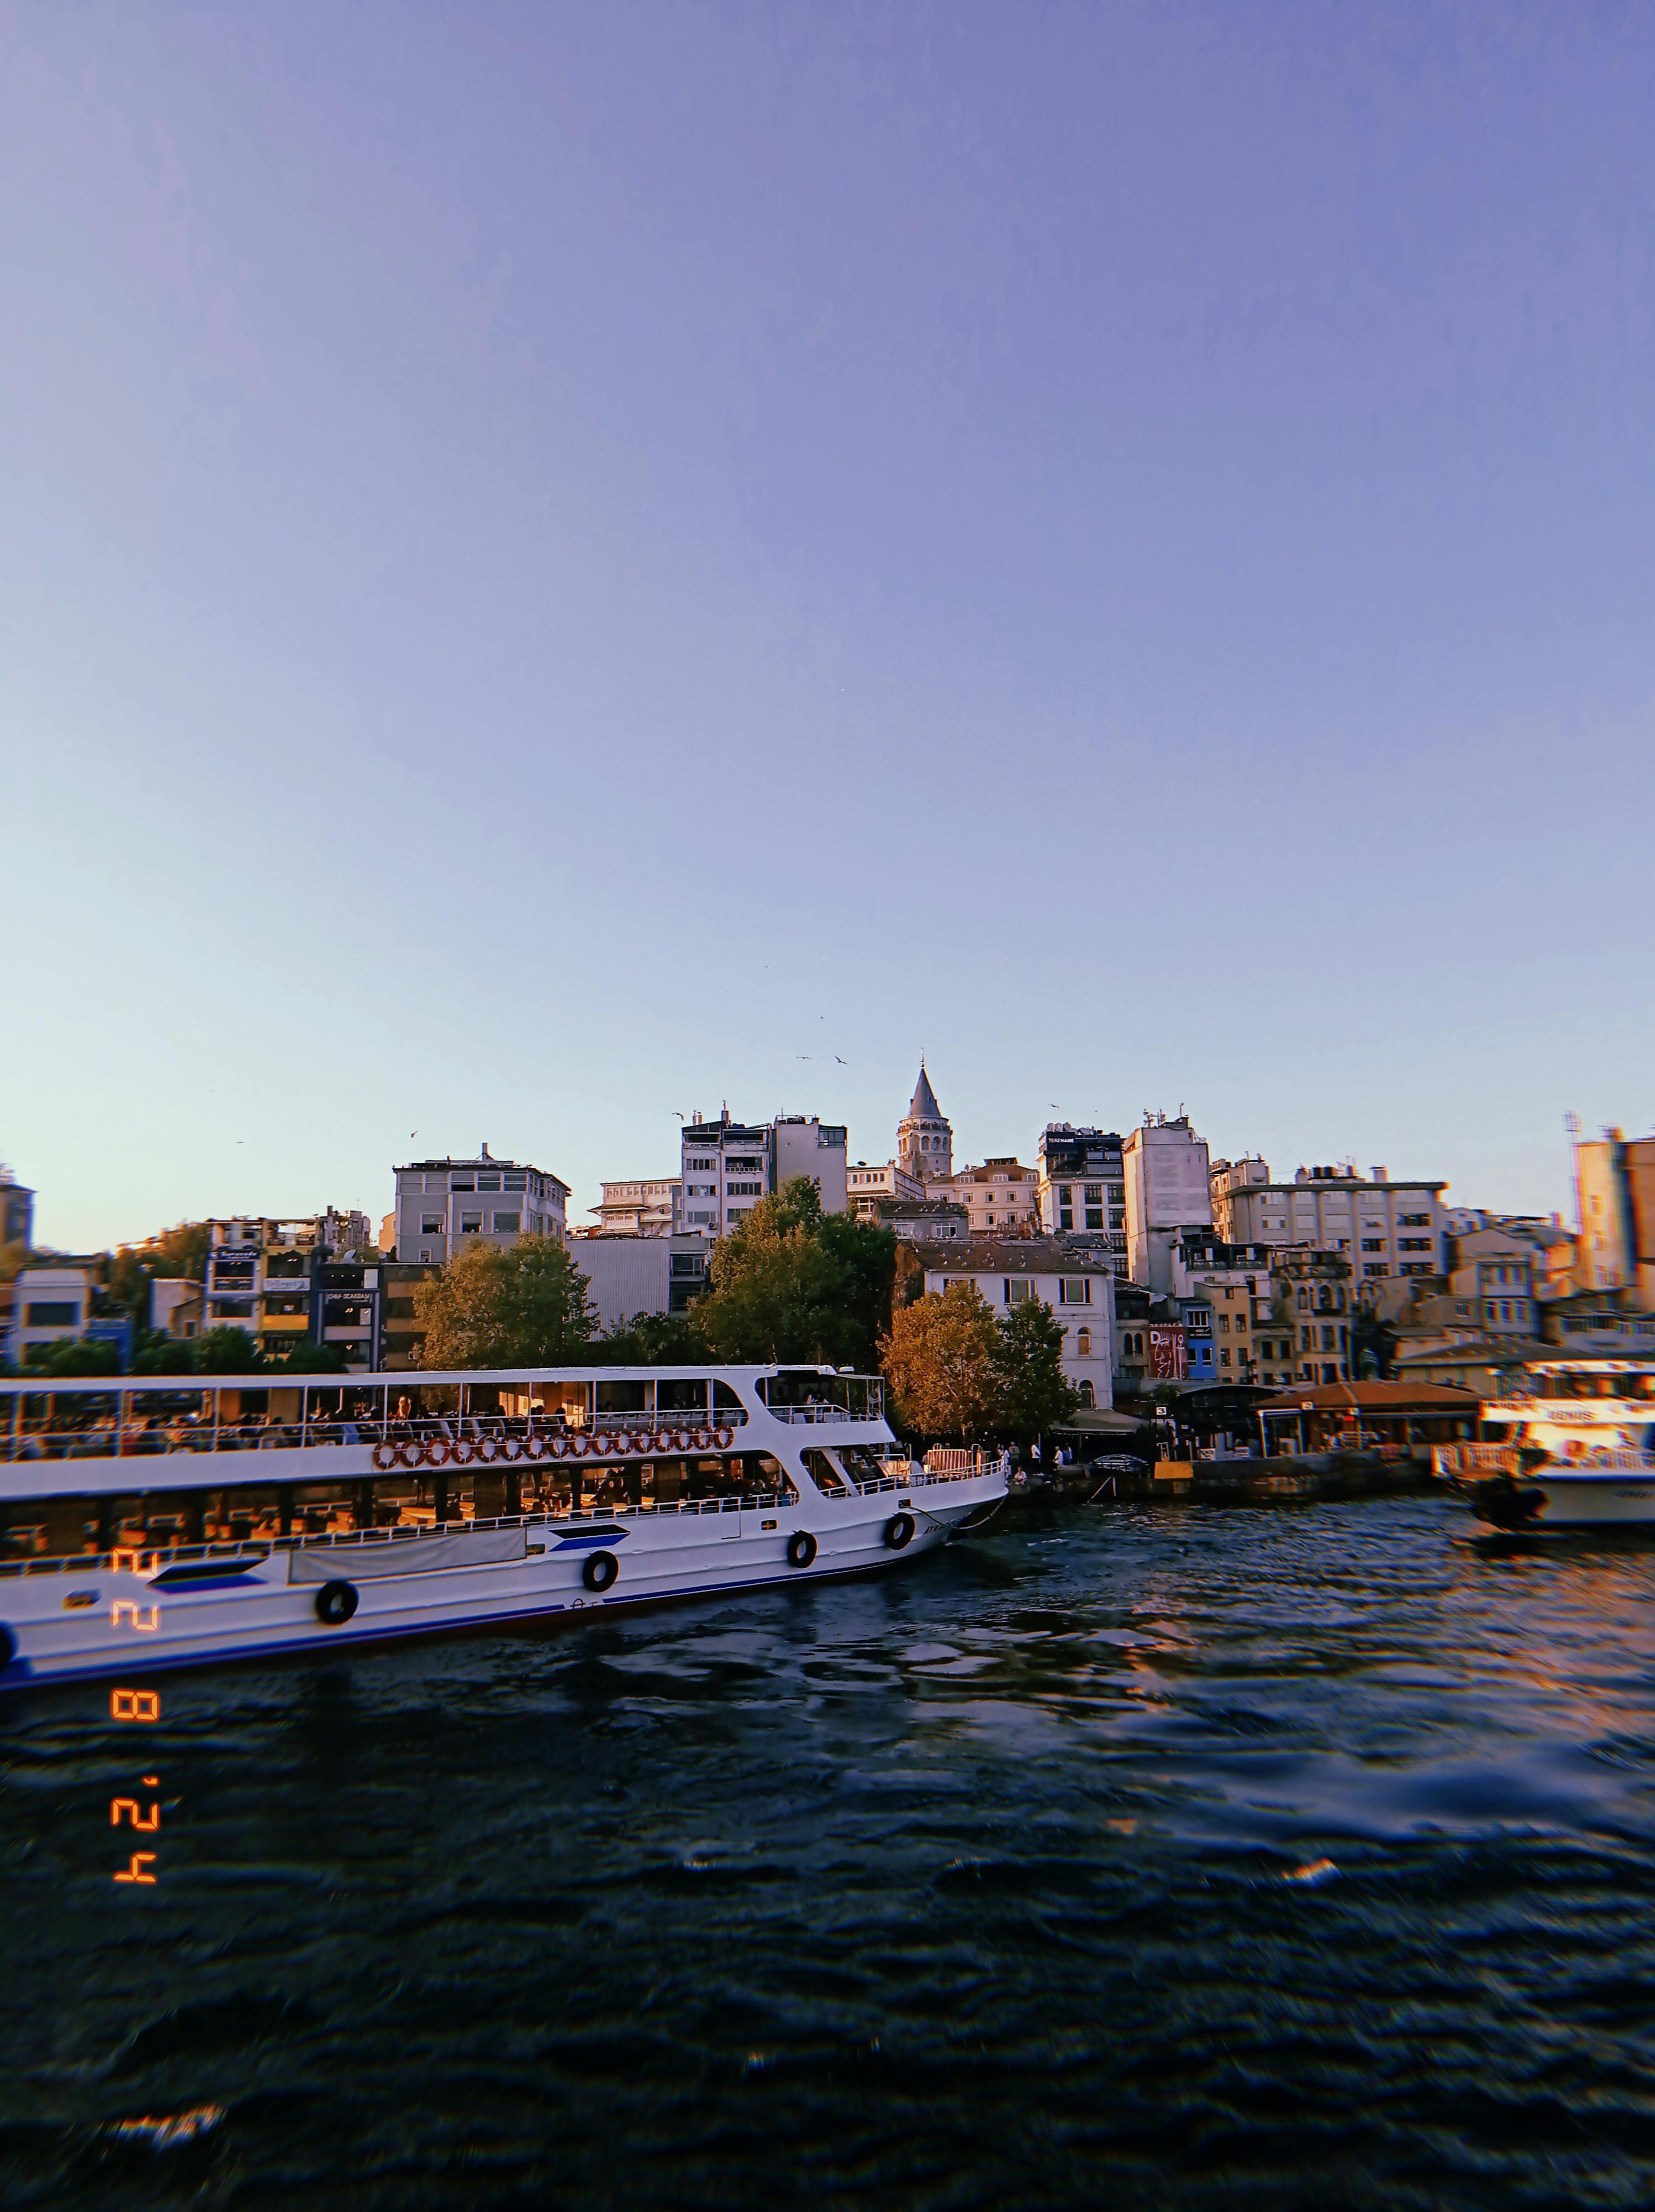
(970, 1886)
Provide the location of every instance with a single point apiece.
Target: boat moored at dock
(166, 1523)
(1574, 1449)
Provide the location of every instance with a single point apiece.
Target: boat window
(824, 1473)
(623, 1397)
(682, 1394)
(725, 1400)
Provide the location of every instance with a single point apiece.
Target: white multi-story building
(444, 1205)
(729, 1166)
(1168, 1192)
(289, 1282)
(639, 1208)
(1078, 1287)
(865, 1187)
(1385, 1230)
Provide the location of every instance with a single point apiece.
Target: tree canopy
(959, 1372)
(794, 1284)
(523, 1306)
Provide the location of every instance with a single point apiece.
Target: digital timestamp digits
(142, 1707)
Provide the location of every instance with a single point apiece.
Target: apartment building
(1078, 1287)
(308, 1280)
(1312, 1295)
(728, 1167)
(1385, 1230)
(867, 1189)
(1614, 1192)
(1081, 1190)
(47, 1305)
(1002, 1196)
(442, 1205)
(1168, 1192)
(1227, 1298)
(639, 1208)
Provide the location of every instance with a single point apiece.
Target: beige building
(640, 1209)
(1614, 1192)
(1228, 1297)
(1001, 1198)
(1312, 1298)
(1385, 1230)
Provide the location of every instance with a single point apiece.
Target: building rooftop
(924, 1106)
(1371, 1398)
(1020, 1255)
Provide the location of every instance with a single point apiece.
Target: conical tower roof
(924, 1106)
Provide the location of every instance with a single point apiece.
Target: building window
(1094, 1217)
(425, 1257)
(430, 1224)
(1087, 1395)
(470, 1224)
(1083, 1344)
(53, 1315)
(506, 1223)
(1074, 1291)
(1223, 1357)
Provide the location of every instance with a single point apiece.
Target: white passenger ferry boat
(153, 1523)
(1574, 1449)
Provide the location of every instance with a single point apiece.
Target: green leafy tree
(73, 1356)
(178, 1252)
(1032, 1393)
(943, 1359)
(14, 1258)
(793, 1283)
(525, 1306)
(224, 1351)
(306, 1358)
(668, 1340)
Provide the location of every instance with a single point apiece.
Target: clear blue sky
(555, 560)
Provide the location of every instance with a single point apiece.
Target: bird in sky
(804, 1055)
(844, 1063)
(676, 1111)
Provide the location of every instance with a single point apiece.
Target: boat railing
(1487, 1459)
(485, 1436)
(142, 1557)
(815, 1414)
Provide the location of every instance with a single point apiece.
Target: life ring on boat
(534, 1447)
(619, 1444)
(438, 1452)
(642, 1441)
(463, 1451)
(335, 1603)
(899, 1531)
(703, 1439)
(559, 1447)
(407, 1454)
(384, 1456)
(801, 1548)
(678, 1441)
(724, 1439)
(512, 1448)
(486, 1450)
(600, 1570)
(580, 1445)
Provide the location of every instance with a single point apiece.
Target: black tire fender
(8, 1646)
(335, 1603)
(600, 1571)
(899, 1531)
(801, 1548)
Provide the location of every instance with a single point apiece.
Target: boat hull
(1550, 1500)
(82, 1618)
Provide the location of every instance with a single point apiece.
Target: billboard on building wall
(1166, 1352)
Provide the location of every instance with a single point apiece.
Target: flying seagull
(844, 1063)
(804, 1055)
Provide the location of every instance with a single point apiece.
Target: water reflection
(1158, 1858)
